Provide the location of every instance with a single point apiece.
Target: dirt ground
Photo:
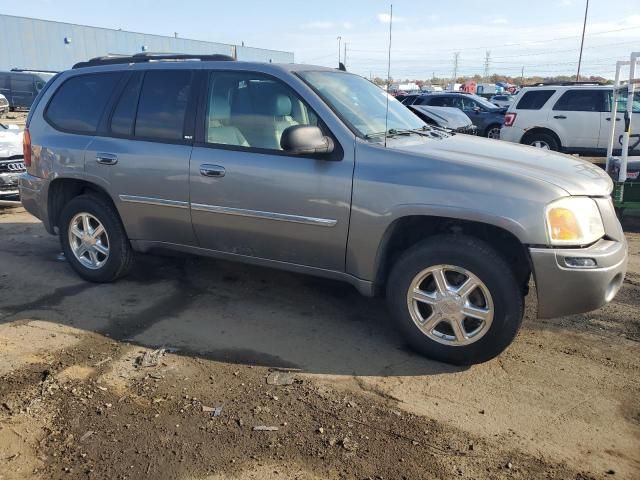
(563, 402)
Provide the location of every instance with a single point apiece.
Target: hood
(447, 117)
(10, 142)
(575, 176)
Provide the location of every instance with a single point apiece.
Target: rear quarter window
(79, 103)
(534, 99)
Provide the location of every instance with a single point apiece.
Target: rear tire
(93, 239)
(544, 141)
(493, 131)
(456, 338)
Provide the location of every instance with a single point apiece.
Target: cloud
(386, 18)
(347, 25)
(500, 21)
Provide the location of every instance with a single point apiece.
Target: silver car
(301, 168)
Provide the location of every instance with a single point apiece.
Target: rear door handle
(207, 170)
(560, 117)
(617, 119)
(106, 158)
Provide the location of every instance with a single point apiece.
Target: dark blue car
(484, 115)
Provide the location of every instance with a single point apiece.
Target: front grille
(471, 130)
(8, 188)
(14, 165)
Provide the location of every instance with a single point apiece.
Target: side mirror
(305, 140)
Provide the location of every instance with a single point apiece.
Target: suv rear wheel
(544, 141)
(93, 239)
(455, 299)
(493, 131)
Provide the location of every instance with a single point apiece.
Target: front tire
(93, 239)
(455, 299)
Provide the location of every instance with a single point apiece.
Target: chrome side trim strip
(281, 217)
(160, 202)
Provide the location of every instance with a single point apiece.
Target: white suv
(568, 118)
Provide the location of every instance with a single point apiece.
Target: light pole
(339, 48)
(584, 27)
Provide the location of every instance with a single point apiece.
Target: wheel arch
(64, 189)
(544, 130)
(409, 230)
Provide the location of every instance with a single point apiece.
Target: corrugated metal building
(29, 43)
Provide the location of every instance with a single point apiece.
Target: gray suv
(300, 168)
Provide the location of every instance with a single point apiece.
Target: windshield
(486, 104)
(361, 104)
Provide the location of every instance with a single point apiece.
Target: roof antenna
(386, 116)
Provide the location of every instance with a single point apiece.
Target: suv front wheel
(93, 239)
(455, 299)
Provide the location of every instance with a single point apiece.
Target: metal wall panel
(40, 45)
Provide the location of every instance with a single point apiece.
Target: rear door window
(163, 104)
(534, 99)
(581, 101)
(78, 104)
(123, 118)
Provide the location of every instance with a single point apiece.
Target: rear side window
(124, 115)
(534, 99)
(78, 104)
(581, 101)
(163, 104)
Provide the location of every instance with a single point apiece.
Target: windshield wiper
(392, 132)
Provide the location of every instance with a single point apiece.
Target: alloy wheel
(450, 305)
(88, 240)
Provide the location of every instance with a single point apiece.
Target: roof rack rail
(151, 57)
(32, 70)
(564, 84)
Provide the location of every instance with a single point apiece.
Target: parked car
(11, 164)
(569, 118)
(503, 101)
(4, 104)
(21, 87)
(445, 117)
(484, 115)
(318, 171)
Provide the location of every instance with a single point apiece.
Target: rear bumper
(511, 134)
(33, 194)
(565, 290)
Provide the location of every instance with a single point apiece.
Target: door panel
(576, 117)
(150, 184)
(271, 206)
(146, 170)
(247, 196)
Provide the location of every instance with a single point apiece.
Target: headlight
(574, 221)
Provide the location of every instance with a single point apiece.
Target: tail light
(26, 148)
(509, 119)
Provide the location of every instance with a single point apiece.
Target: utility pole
(522, 76)
(456, 60)
(487, 65)
(344, 58)
(584, 28)
(339, 48)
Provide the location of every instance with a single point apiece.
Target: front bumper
(565, 290)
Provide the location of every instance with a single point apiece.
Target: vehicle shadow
(208, 308)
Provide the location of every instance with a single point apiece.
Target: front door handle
(207, 170)
(617, 119)
(560, 117)
(106, 158)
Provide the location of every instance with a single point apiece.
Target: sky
(541, 36)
